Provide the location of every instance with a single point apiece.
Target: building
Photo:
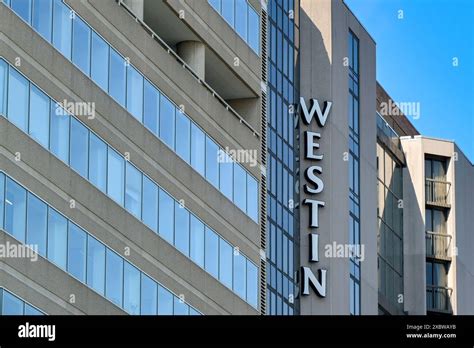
(218, 157)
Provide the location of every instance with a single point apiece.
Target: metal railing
(437, 192)
(438, 245)
(438, 299)
(388, 131)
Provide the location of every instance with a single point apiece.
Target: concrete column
(194, 54)
(137, 7)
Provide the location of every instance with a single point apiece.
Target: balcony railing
(438, 245)
(437, 192)
(438, 299)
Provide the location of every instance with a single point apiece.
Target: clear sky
(415, 57)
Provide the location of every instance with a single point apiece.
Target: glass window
(36, 223)
(180, 307)
(76, 259)
(22, 8)
(57, 238)
(192, 311)
(113, 277)
(11, 305)
(15, 210)
(97, 162)
(39, 116)
(3, 87)
(115, 176)
(183, 136)
(135, 93)
(240, 187)
(18, 96)
(225, 263)
(59, 132)
(228, 11)
(42, 17)
(212, 166)
(226, 174)
(149, 296)
(241, 18)
(151, 109)
(133, 191)
(81, 45)
(252, 197)
(2, 198)
(254, 30)
(252, 284)
(131, 289)
(30, 310)
(166, 217)
(240, 279)
(197, 149)
(181, 237)
(79, 147)
(197, 241)
(216, 4)
(165, 301)
(117, 77)
(167, 114)
(100, 62)
(62, 28)
(95, 264)
(150, 204)
(212, 253)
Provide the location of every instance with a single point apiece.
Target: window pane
(216, 4)
(81, 45)
(254, 30)
(131, 289)
(180, 307)
(135, 93)
(113, 277)
(166, 217)
(59, 133)
(240, 187)
(241, 18)
(29, 310)
(151, 109)
(36, 224)
(133, 191)
(15, 210)
(212, 167)
(252, 284)
(62, 27)
(240, 280)
(211, 255)
(22, 8)
(226, 174)
(11, 305)
(150, 204)
(197, 241)
(115, 176)
(76, 259)
(165, 301)
(18, 95)
(39, 116)
(3, 87)
(197, 149)
(2, 198)
(181, 241)
(97, 162)
(95, 264)
(79, 147)
(228, 11)
(252, 198)
(57, 238)
(42, 17)
(192, 311)
(149, 296)
(117, 77)
(183, 136)
(167, 114)
(100, 62)
(225, 263)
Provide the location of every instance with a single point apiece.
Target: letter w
(315, 108)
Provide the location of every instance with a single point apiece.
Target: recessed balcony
(438, 193)
(438, 245)
(438, 299)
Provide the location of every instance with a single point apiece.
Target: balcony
(438, 193)
(438, 299)
(438, 245)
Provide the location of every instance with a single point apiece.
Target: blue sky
(415, 58)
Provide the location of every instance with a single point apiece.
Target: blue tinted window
(134, 92)
(252, 284)
(113, 277)
(197, 149)
(100, 62)
(117, 77)
(3, 87)
(81, 45)
(212, 165)
(11, 305)
(212, 253)
(167, 115)
(241, 18)
(180, 307)
(225, 263)
(22, 8)
(228, 11)
(59, 138)
(149, 296)
(79, 147)
(133, 191)
(165, 301)
(76, 258)
(226, 175)
(216, 4)
(15, 210)
(181, 236)
(252, 198)
(95, 264)
(57, 238)
(2, 198)
(183, 136)
(192, 311)
(240, 275)
(151, 109)
(254, 30)
(62, 28)
(240, 187)
(150, 204)
(166, 217)
(29, 310)
(131, 289)
(97, 162)
(42, 17)
(115, 176)
(36, 224)
(197, 241)
(39, 116)
(18, 95)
